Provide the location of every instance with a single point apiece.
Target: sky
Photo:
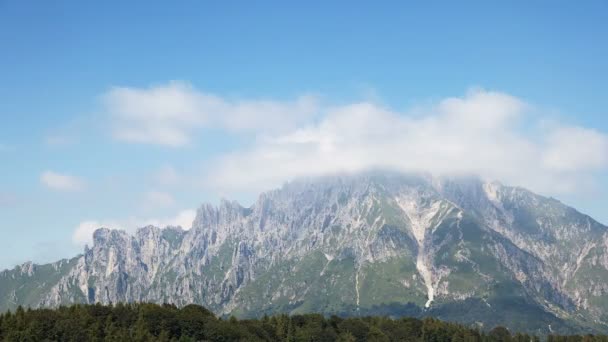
(127, 114)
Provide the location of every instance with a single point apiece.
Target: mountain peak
(366, 243)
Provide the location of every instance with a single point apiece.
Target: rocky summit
(381, 243)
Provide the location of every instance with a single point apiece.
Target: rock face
(374, 243)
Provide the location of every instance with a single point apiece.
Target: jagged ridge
(353, 244)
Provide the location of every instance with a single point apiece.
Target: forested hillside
(151, 322)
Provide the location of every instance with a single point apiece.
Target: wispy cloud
(167, 176)
(171, 114)
(158, 199)
(83, 234)
(61, 182)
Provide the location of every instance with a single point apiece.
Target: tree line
(151, 322)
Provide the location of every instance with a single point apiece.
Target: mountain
(384, 243)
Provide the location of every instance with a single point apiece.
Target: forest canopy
(152, 322)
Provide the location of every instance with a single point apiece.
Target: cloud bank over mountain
(490, 134)
(487, 133)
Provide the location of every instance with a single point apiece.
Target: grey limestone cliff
(373, 243)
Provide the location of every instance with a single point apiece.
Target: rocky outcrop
(351, 245)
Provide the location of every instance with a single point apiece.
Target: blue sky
(124, 114)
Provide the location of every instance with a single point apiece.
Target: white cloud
(61, 182)
(479, 133)
(570, 149)
(184, 219)
(83, 234)
(170, 114)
